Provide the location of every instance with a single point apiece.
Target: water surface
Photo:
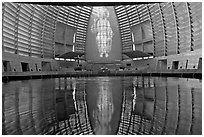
(103, 105)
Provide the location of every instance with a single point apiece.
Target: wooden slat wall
(176, 26)
(29, 29)
(124, 24)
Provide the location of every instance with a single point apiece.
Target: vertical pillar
(30, 29)
(164, 30)
(43, 29)
(16, 28)
(177, 32)
(190, 24)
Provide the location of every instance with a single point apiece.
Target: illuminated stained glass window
(103, 30)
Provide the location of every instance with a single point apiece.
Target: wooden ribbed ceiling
(176, 26)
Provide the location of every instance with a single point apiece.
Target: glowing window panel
(101, 27)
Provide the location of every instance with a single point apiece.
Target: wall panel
(28, 29)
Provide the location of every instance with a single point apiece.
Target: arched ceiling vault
(175, 27)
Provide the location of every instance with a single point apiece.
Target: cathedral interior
(96, 68)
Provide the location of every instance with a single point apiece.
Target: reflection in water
(104, 111)
(104, 101)
(50, 106)
(153, 105)
(103, 105)
(71, 108)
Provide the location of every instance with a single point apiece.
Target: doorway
(7, 66)
(175, 64)
(25, 67)
(200, 63)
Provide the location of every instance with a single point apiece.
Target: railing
(187, 73)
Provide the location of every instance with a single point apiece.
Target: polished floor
(103, 105)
